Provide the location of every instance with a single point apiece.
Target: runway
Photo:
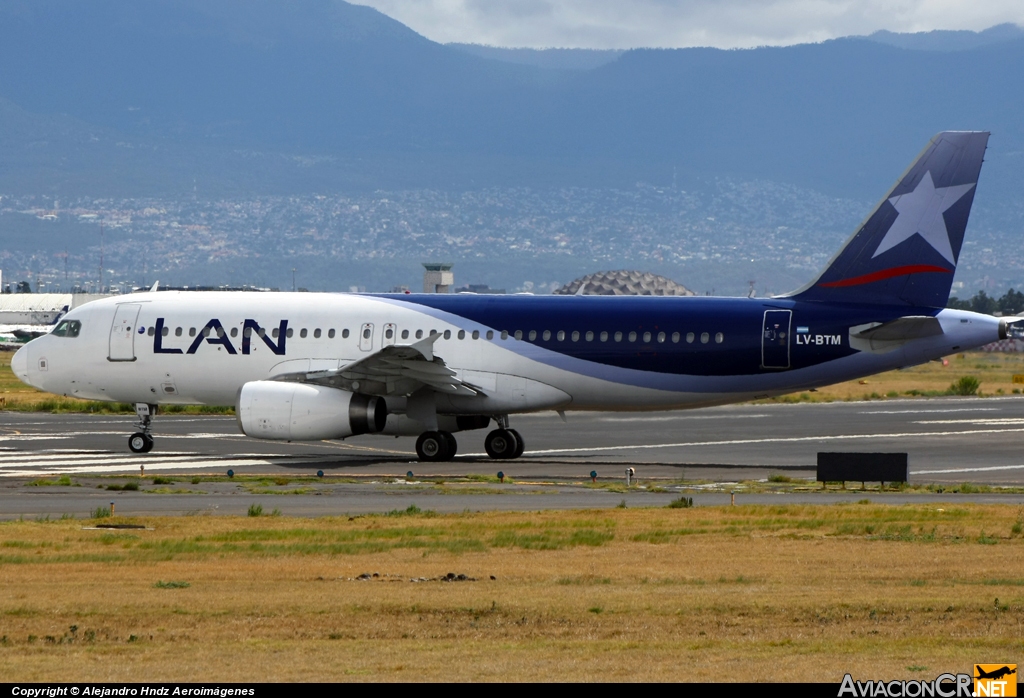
(948, 440)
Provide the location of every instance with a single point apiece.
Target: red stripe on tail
(887, 274)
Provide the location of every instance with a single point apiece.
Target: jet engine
(304, 412)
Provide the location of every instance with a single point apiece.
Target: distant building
(482, 289)
(623, 283)
(438, 277)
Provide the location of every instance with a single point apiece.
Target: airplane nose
(19, 364)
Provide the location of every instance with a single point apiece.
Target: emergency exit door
(775, 339)
(122, 332)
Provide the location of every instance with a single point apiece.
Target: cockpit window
(68, 328)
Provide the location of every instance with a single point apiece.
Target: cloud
(681, 23)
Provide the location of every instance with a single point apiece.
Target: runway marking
(74, 434)
(772, 440)
(674, 418)
(967, 470)
(952, 409)
(980, 420)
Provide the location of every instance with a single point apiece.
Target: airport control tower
(438, 277)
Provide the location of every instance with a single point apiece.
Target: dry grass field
(754, 593)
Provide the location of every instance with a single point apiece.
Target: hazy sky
(679, 23)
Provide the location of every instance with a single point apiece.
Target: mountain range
(120, 96)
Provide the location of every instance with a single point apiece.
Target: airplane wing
(395, 370)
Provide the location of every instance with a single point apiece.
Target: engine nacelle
(304, 412)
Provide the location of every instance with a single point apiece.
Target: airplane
(302, 366)
(11, 334)
(995, 674)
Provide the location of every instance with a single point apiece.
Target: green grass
(172, 585)
(62, 481)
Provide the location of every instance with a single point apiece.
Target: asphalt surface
(948, 441)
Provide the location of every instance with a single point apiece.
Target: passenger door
(775, 339)
(122, 332)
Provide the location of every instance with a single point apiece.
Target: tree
(1012, 302)
(24, 287)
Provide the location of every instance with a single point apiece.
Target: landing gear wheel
(140, 442)
(451, 443)
(432, 446)
(501, 444)
(519, 440)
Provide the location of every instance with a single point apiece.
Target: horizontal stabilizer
(883, 337)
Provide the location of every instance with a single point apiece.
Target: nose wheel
(141, 441)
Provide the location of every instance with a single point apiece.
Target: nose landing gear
(141, 441)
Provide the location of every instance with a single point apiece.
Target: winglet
(426, 346)
(156, 284)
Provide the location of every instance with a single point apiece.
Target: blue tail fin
(906, 251)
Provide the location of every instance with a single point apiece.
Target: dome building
(623, 283)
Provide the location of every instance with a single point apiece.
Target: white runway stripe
(951, 409)
(770, 440)
(967, 470)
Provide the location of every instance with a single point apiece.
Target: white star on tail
(920, 212)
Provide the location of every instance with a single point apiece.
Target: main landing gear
(502, 443)
(141, 441)
(435, 446)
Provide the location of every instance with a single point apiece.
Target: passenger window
(462, 334)
(618, 336)
(547, 335)
(247, 332)
(290, 333)
(519, 334)
(533, 335)
(405, 334)
(490, 334)
(316, 333)
(604, 336)
(561, 335)
(632, 336)
(447, 334)
(303, 333)
(476, 334)
(689, 337)
(647, 336)
(590, 336)
(207, 331)
(366, 333)
(151, 331)
(234, 331)
(220, 332)
(177, 331)
(661, 338)
(419, 334)
(704, 337)
(263, 333)
(389, 333)
(433, 332)
(274, 333)
(192, 332)
(344, 334)
(330, 333)
(165, 331)
(504, 334)
(719, 338)
(675, 338)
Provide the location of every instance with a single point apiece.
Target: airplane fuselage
(524, 353)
